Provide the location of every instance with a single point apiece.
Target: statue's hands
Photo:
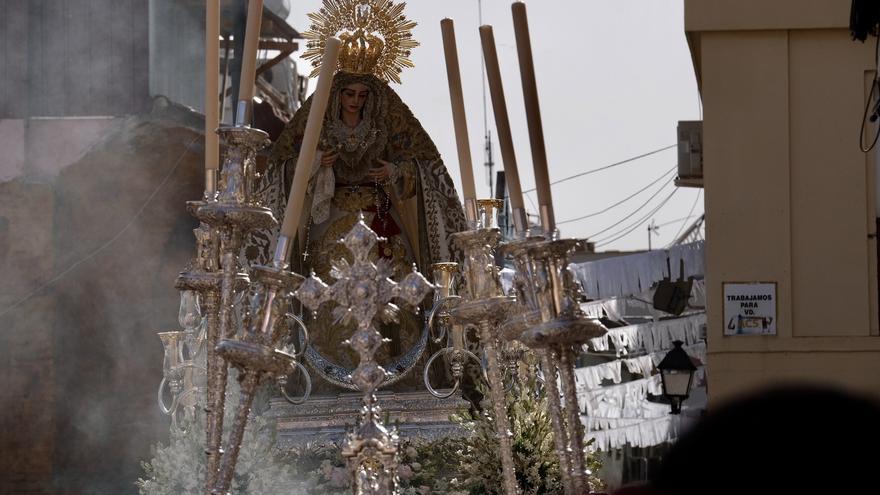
(328, 159)
(381, 173)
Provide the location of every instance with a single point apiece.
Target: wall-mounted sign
(749, 308)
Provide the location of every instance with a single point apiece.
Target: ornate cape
(429, 217)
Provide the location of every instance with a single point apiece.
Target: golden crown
(376, 37)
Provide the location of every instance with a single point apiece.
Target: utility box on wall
(690, 153)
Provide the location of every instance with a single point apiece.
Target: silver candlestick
(232, 215)
(183, 369)
(202, 275)
(172, 372)
(485, 307)
(362, 289)
(255, 353)
(551, 322)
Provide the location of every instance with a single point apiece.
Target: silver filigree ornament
(455, 350)
(361, 292)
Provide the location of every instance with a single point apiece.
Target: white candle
(310, 139)
(458, 117)
(212, 94)
(502, 122)
(533, 115)
(249, 56)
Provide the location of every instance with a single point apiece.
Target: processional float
(541, 317)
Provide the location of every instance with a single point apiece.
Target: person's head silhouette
(786, 439)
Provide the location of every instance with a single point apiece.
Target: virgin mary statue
(374, 159)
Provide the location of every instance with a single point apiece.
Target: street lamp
(677, 374)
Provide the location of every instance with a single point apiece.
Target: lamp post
(677, 374)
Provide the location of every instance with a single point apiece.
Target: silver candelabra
(255, 353)
(233, 214)
(227, 213)
(485, 306)
(550, 321)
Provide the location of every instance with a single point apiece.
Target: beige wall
(789, 196)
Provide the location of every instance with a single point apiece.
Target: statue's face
(353, 97)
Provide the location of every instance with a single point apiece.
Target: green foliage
(435, 466)
(535, 462)
(534, 456)
(179, 467)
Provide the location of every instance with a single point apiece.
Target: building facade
(789, 195)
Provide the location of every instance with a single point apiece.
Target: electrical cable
(639, 223)
(112, 240)
(606, 167)
(673, 221)
(690, 214)
(874, 93)
(630, 215)
(658, 179)
(531, 202)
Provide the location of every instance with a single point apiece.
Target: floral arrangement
(467, 464)
(458, 465)
(424, 467)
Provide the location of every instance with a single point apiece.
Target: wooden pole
(459, 120)
(502, 121)
(533, 115)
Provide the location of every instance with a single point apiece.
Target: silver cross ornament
(361, 290)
